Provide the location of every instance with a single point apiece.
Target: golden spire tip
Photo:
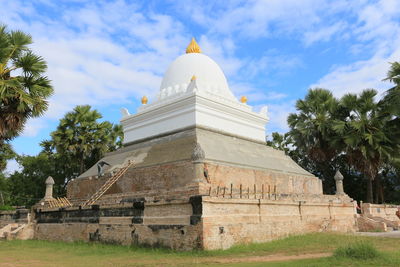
(193, 78)
(243, 99)
(144, 100)
(193, 47)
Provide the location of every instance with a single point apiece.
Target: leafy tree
(23, 87)
(6, 153)
(78, 143)
(27, 187)
(80, 140)
(3, 190)
(279, 141)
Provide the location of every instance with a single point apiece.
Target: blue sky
(110, 53)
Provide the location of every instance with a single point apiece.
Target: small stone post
(200, 167)
(339, 183)
(49, 188)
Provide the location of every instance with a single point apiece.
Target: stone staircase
(12, 231)
(379, 224)
(378, 218)
(106, 185)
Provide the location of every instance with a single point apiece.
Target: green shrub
(360, 250)
(6, 207)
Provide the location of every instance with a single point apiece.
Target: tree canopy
(24, 88)
(392, 97)
(81, 140)
(356, 134)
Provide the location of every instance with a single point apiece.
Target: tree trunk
(381, 192)
(379, 195)
(82, 167)
(1, 198)
(369, 197)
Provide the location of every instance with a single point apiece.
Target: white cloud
(278, 114)
(221, 52)
(260, 18)
(358, 76)
(32, 127)
(379, 34)
(255, 18)
(324, 34)
(97, 53)
(110, 52)
(255, 95)
(271, 63)
(12, 166)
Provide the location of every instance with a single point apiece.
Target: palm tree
(23, 88)
(392, 97)
(391, 101)
(81, 140)
(311, 133)
(311, 128)
(365, 135)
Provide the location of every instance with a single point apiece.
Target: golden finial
(144, 100)
(243, 99)
(193, 47)
(193, 78)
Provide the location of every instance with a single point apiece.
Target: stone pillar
(49, 188)
(339, 183)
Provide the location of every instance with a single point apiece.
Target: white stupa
(194, 93)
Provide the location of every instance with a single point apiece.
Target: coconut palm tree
(23, 86)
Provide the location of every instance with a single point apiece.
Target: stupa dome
(194, 93)
(194, 65)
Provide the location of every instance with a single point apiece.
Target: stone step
(10, 230)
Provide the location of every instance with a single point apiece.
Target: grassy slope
(42, 253)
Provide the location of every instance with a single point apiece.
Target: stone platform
(201, 222)
(197, 188)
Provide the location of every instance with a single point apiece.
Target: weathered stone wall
(199, 222)
(143, 179)
(385, 211)
(285, 183)
(181, 159)
(180, 177)
(14, 216)
(170, 224)
(231, 221)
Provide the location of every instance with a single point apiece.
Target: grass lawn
(43, 253)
